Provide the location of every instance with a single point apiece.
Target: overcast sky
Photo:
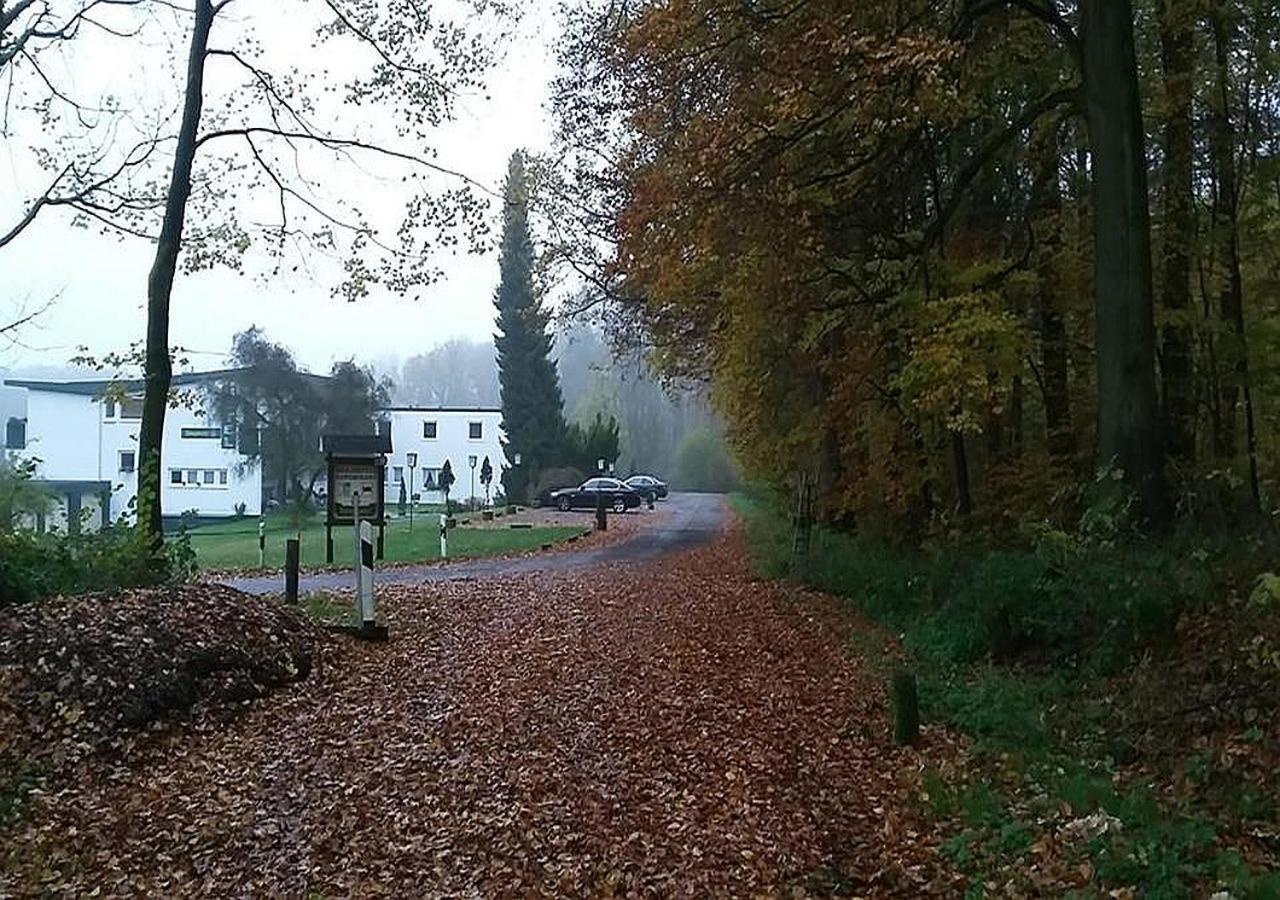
(99, 283)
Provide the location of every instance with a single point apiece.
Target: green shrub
(33, 566)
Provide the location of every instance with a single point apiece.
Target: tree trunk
(1047, 206)
(1233, 349)
(960, 459)
(158, 371)
(1129, 433)
(1178, 59)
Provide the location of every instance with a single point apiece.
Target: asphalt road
(691, 521)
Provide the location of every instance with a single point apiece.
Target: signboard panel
(348, 476)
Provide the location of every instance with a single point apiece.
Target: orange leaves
(672, 729)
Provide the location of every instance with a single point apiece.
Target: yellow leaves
(964, 353)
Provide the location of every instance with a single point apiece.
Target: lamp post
(412, 459)
(471, 460)
(600, 465)
(517, 482)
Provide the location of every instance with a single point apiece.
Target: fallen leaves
(666, 729)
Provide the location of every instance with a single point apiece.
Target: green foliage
(703, 464)
(33, 566)
(20, 494)
(532, 406)
(586, 446)
(550, 479)
(278, 411)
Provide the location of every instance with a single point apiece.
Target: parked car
(617, 496)
(647, 486)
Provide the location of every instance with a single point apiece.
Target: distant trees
(598, 440)
(532, 406)
(456, 373)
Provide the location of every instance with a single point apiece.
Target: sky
(97, 284)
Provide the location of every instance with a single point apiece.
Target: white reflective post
(444, 536)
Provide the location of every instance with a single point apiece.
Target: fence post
(292, 554)
(262, 543)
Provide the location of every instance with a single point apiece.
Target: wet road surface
(691, 520)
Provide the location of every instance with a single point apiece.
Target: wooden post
(602, 516)
(328, 542)
(292, 554)
(906, 709)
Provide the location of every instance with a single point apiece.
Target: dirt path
(664, 727)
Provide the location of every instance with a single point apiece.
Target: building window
(429, 430)
(222, 476)
(175, 476)
(397, 474)
(131, 408)
(475, 430)
(204, 434)
(209, 476)
(193, 476)
(109, 409)
(229, 436)
(128, 461)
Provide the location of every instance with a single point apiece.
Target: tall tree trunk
(960, 459)
(158, 371)
(1234, 349)
(1129, 432)
(1178, 59)
(1054, 363)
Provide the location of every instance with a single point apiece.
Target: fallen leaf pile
(668, 729)
(81, 674)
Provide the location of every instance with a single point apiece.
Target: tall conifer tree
(532, 406)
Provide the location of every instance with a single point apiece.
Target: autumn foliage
(871, 227)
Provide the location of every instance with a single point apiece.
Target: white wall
(76, 439)
(64, 434)
(452, 442)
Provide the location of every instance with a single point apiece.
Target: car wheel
(619, 505)
(564, 504)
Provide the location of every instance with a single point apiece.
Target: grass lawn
(234, 544)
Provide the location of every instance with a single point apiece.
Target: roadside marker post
(292, 556)
(444, 536)
(262, 542)
(366, 612)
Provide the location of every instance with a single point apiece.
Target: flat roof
(426, 409)
(97, 387)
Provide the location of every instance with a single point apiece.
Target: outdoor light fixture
(600, 464)
(517, 460)
(412, 459)
(472, 460)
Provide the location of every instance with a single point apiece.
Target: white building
(84, 435)
(461, 435)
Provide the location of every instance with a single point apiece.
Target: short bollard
(906, 709)
(262, 542)
(602, 515)
(444, 536)
(292, 555)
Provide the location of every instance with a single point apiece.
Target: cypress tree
(532, 406)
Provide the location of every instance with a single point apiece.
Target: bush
(551, 479)
(34, 566)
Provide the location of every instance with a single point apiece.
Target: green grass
(1008, 645)
(234, 544)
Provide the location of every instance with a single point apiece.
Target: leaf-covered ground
(669, 729)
